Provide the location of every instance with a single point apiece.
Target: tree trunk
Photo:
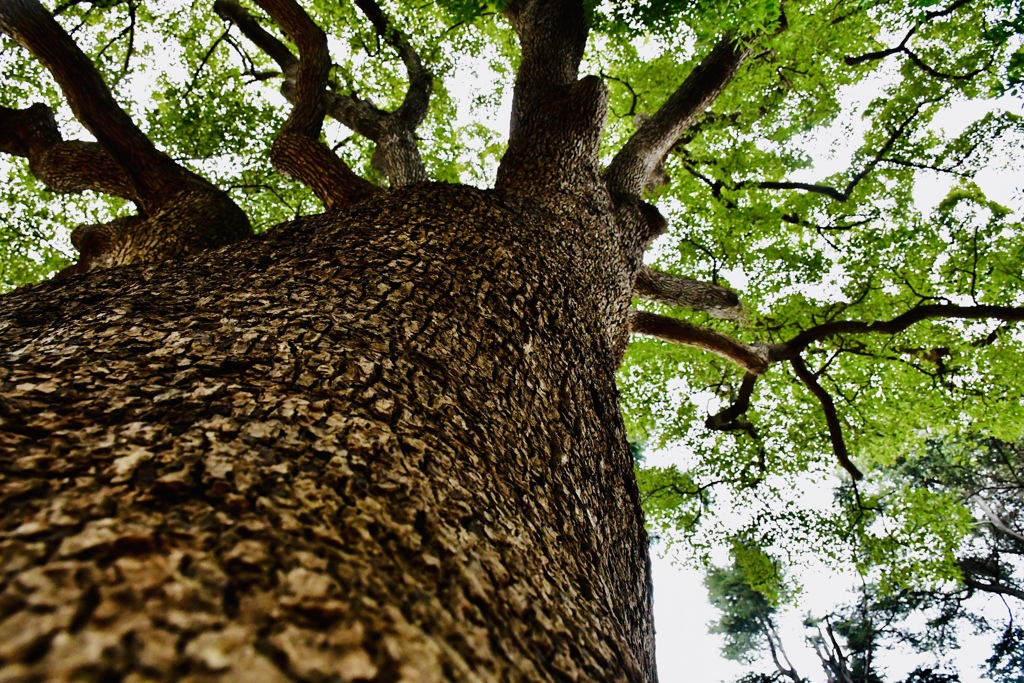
(381, 444)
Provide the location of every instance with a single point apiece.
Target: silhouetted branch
(835, 430)
(902, 48)
(901, 322)
(727, 420)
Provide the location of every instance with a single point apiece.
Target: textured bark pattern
(65, 166)
(672, 290)
(377, 445)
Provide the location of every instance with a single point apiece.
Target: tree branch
(153, 174)
(899, 323)
(835, 430)
(180, 212)
(556, 122)
(728, 420)
(297, 151)
(750, 358)
(902, 48)
(66, 166)
(552, 37)
(995, 520)
(636, 162)
(673, 290)
(397, 155)
(996, 588)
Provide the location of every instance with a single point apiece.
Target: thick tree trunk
(378, 445)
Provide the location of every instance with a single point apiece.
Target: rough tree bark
(377, 445)
(380, 444)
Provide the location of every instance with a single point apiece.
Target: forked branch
(297, 151)
(65, 166)
(397, 155)
(153, 174)
(179, 212)
(557, 120)
(901, 323)
(902, 48)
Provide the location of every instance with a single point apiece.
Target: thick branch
(639, 158)
(180, 213)
(154, 175)
(835, 430)
(232, 12)
(672, 290)
(552, 37)
(397, 154)
(64, 165)
(556, 123)
(297, 151)
(680, 332)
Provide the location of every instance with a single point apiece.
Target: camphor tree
(384, 442)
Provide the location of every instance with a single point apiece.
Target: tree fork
(397, 155)
(297, 151)
(66, 166)
(184, 214)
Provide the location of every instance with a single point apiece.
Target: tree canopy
(832, 307)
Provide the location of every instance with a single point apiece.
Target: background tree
(385, 442)
(853, 640)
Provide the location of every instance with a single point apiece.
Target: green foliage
(747, 614)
